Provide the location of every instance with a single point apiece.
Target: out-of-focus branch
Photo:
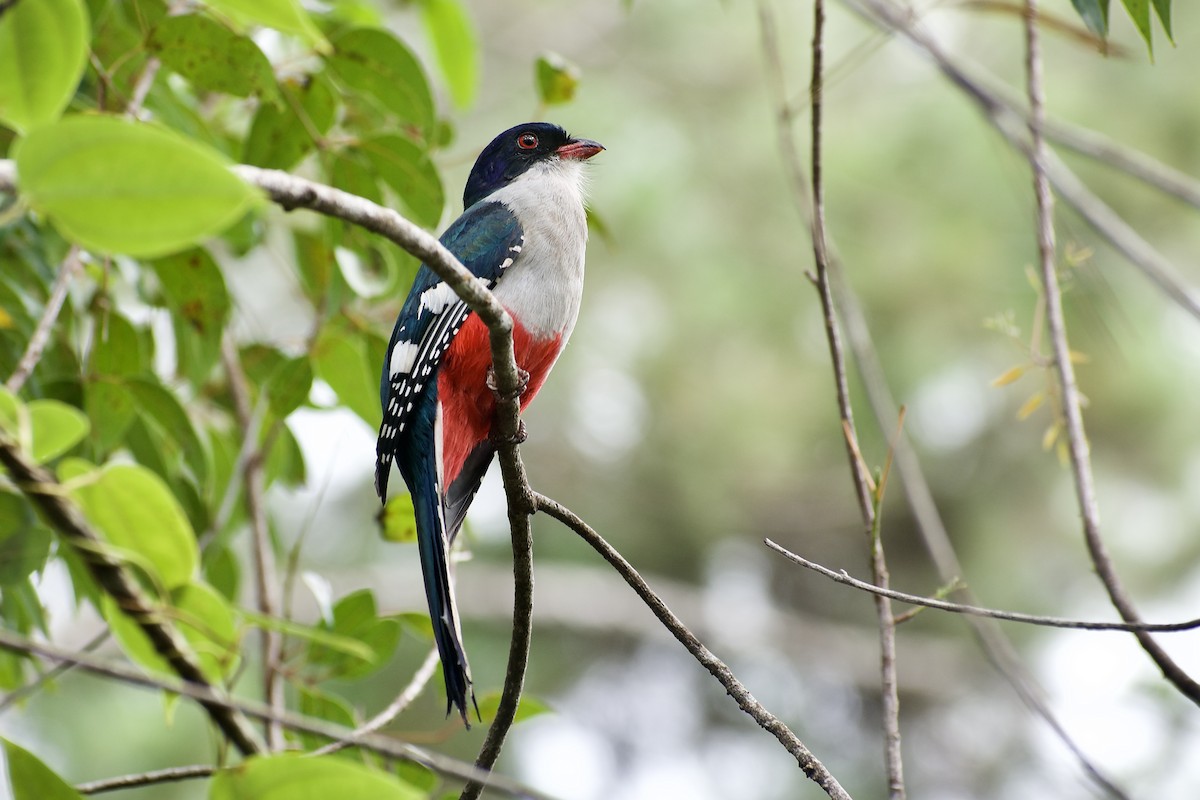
(41, 334)
(846, 579)
(263, 552)
(45, 492)
(208, 696)
(813, 768)
(997, 110)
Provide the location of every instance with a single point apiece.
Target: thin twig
(846, 579)
(869, 499)
(265, 574)
(1071, 404)
(41, 334)
(410, 692)
(45, 492)
(207, 696)
(21, 693)
(808, 762)
(152, 778)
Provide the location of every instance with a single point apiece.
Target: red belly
(467, 403)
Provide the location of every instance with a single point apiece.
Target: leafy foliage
(123, 160)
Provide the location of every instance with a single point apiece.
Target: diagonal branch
(45, 492)
(813, 768)
(41, 334)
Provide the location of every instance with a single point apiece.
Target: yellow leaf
(1031, 405)
(1077, 357)
(6, 320)
(1010, 376)
(1050, 437)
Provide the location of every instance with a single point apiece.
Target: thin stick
(410, 692)
(808, 762)
(844, 578)
(1071, 404)
(41, 334)
(266, 589)
(153, 778)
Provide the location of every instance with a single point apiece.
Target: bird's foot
(517, 438)
(522, 384)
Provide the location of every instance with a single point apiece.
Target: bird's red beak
(579, 149)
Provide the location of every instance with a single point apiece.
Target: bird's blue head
(513, 152)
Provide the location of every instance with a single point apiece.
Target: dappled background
(693, 415)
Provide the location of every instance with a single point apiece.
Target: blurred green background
(693, 415)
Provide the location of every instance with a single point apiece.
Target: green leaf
(456, 46)
(201, 615)
(24, 546)
(161, 405)
(292, 776)
(33, 780)
(111, 409)
(287, 16)
(375, 63)
(120, 186)
(320, 636)
(1139, 12)
(289, 385)
(57, 427)
(399, 521)
(417, 623)
(222, 569)
(354, 617)
(339, 359)
(1163, 9)
(527, 707)
(557, 79)
(43, 52)
(352, 173)
(1094, 14)
(136, 511)
(11, 411)
(194, 289)
(212, 57)
(285, 460)
(117, 350)
(281, 136)
(323, 705)
(406, 168)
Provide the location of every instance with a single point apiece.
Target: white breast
(544, 285)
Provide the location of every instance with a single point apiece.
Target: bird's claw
(517, 438)
(522, 384)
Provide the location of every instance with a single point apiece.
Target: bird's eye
(527, 141)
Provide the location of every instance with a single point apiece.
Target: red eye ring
(527, 141)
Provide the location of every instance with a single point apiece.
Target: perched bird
(523, 233)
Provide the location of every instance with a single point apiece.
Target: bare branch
(263, 552)
(207, 696)
(41, 334)
(813, 210)
(410, 692)
(808, 762)
(846, 579)
(152, 778)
